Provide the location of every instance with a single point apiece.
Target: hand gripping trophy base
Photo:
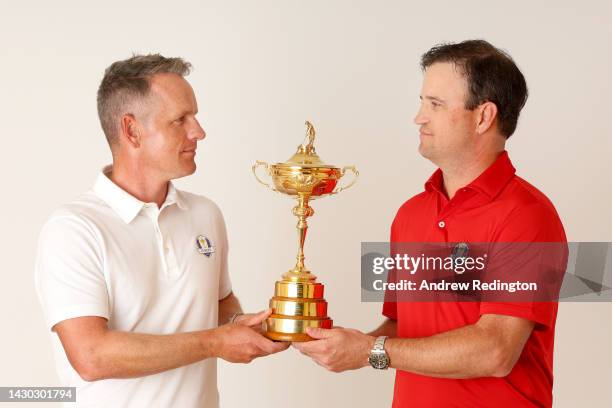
(298, 301)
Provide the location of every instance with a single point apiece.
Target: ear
(486, 116)
(130, 130)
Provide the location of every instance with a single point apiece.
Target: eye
(180, 120)
(435, 104)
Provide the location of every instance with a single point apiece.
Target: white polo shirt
(144, 269)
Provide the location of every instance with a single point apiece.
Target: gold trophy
(298, 300)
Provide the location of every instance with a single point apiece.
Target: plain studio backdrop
(260, 70)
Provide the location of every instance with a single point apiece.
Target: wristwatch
(232, 319)
(379, 359)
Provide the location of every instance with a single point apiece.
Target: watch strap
(379, 343)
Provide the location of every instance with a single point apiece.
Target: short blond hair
(127, 82)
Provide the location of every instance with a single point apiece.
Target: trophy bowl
(298, 301)
(315, 181)
(304, 174)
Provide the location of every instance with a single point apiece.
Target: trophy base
(293, 337)
(293, 328)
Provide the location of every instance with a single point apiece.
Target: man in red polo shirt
(463, 354)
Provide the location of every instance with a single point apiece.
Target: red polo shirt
(498, 206)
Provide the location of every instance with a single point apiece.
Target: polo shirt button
(441, 224)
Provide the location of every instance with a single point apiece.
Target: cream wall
(261, 69)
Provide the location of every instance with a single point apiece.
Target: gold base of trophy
(297, 337)
(295, 307)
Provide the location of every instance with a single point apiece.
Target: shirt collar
(490, 182)
(123, 203)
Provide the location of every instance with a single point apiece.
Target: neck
(133, 180)
(463, 172)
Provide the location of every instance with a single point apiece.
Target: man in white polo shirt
(132, 275)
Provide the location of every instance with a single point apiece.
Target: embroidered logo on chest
(205, 246)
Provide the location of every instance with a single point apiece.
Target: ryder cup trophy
(298, 301)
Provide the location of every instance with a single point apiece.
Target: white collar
(123, 203)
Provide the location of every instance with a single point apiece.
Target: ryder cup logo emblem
(205, 247)
(460, 251)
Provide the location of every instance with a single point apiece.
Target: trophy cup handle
(254, 168)
(349, 185)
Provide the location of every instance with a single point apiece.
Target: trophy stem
(302, 211)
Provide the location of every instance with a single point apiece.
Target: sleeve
(225, 284)
(69, 272)
(531, 247)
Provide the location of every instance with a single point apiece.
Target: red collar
(490, 182)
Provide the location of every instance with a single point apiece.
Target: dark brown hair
(491, 75)
(126, 83)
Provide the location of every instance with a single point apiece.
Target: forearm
(125, 355)
(97, 353)
(228, 306)
(467, 352)
(387, 328)
(488, 348)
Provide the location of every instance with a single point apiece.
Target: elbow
(88, 376)
(88, 368)
(88, 373)
(501, 362)
(86, 345)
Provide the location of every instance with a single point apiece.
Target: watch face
(379, 361)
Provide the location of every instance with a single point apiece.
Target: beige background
(261, 69)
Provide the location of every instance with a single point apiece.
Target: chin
(424, 151)
(189, 170)
(184, 170)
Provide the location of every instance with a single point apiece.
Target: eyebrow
(432, 98)
(186, 112)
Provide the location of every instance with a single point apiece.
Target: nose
(197, 132)
(420, 118)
